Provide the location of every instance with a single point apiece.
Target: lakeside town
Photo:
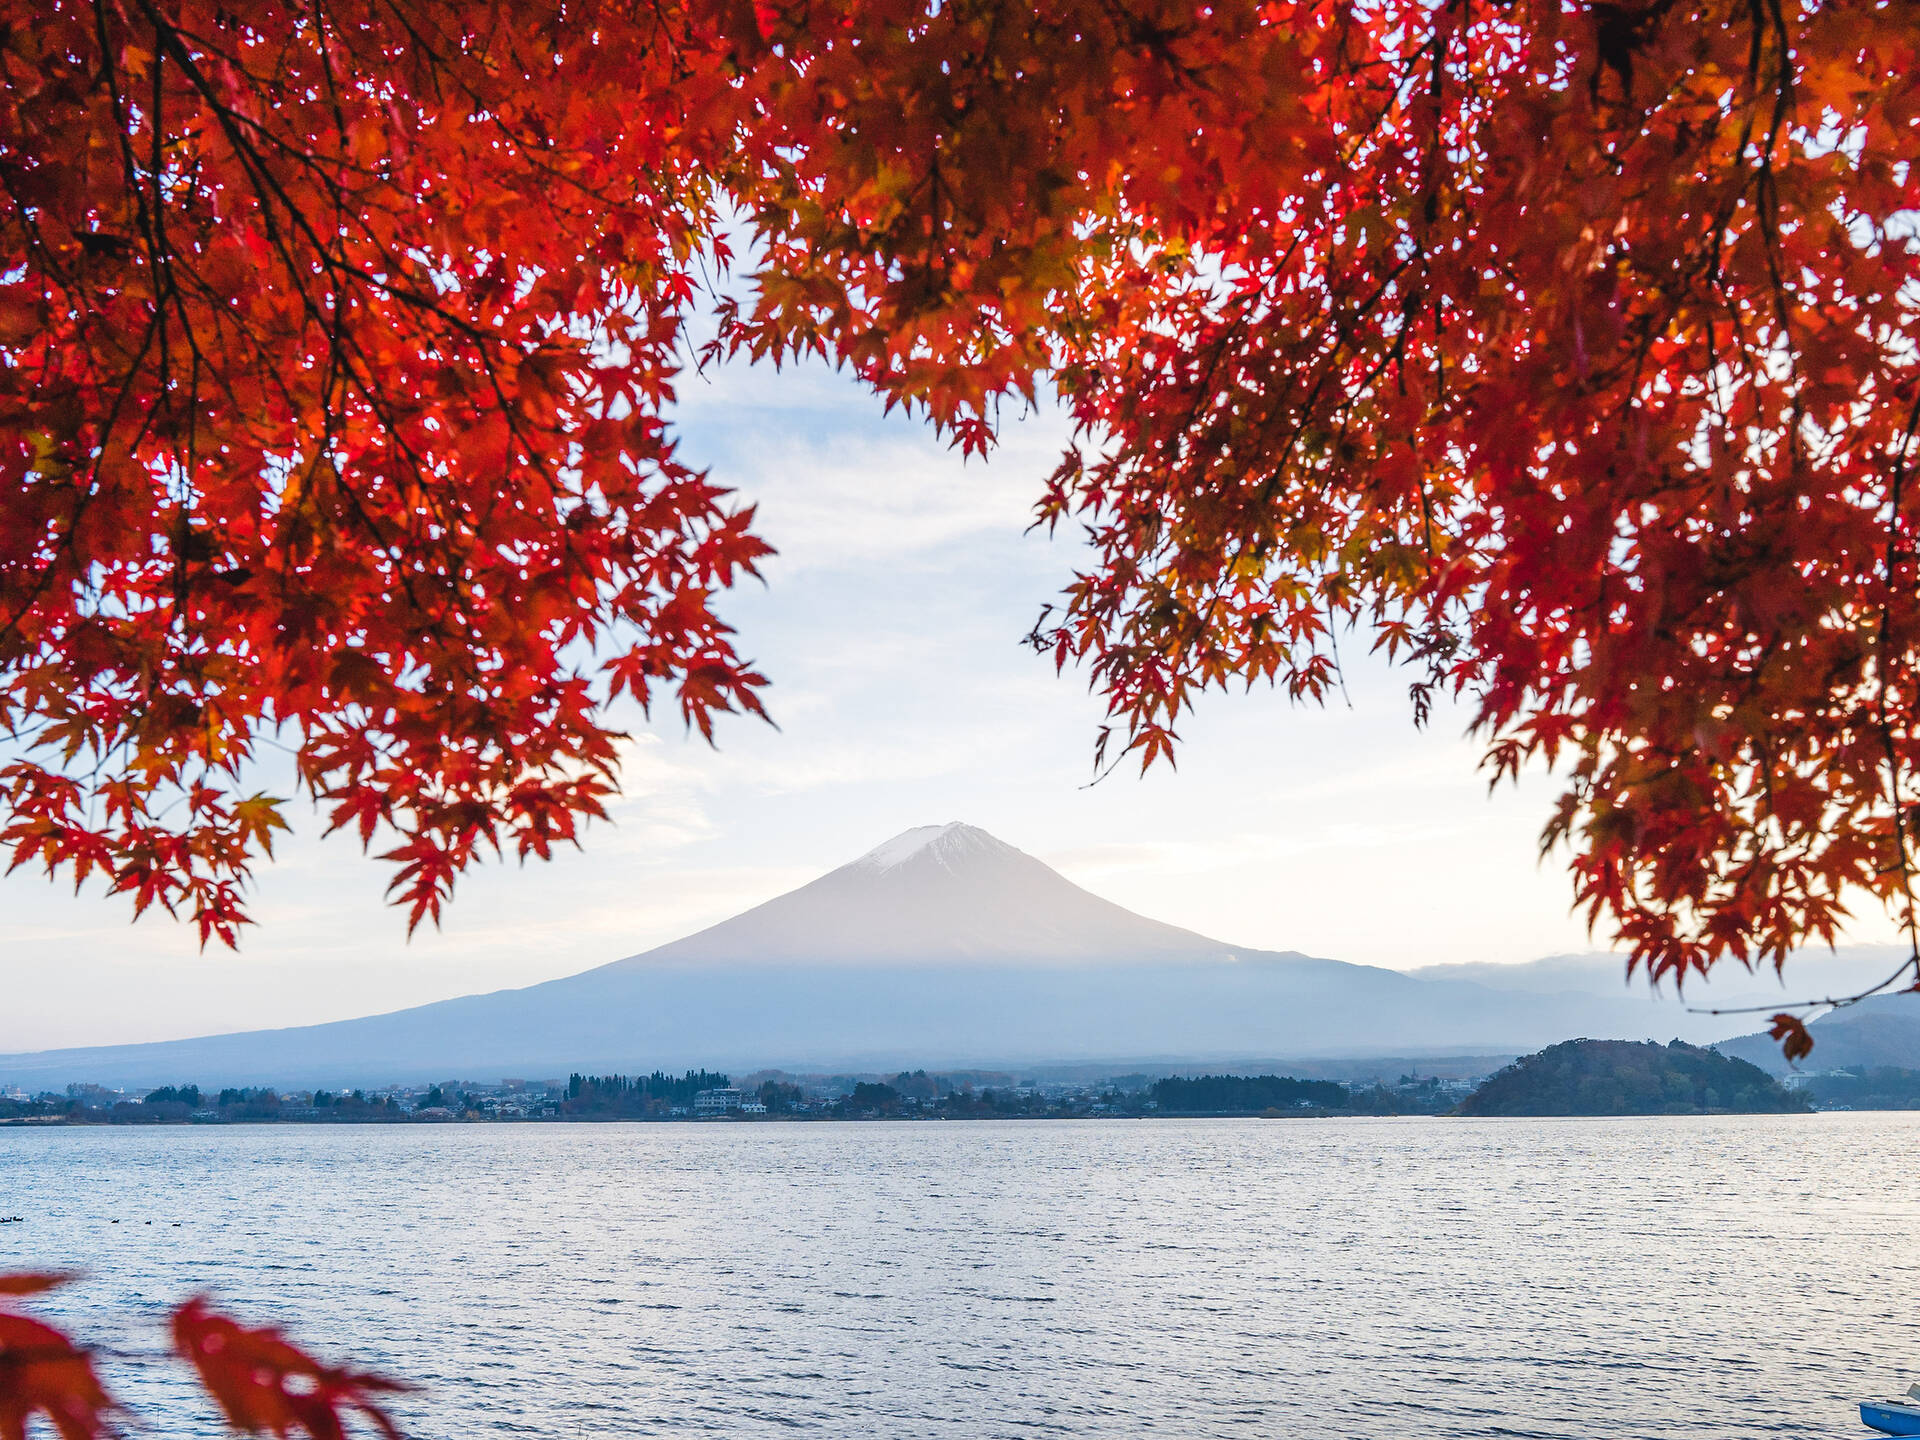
(1574, 1078)
(711, 1095)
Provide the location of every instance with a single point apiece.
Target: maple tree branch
(1883, 667)
(10, 628)
(268, 190)
(1909, 966)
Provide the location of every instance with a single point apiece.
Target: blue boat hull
(1890, 1418)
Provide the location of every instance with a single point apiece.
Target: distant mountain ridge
(942, 947)
(1884, 1030)
(1811, 972)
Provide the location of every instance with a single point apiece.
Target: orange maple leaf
(1791, 1032)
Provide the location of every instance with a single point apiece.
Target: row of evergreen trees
(1247, 1094)
(637, 1094)
(175, 1103)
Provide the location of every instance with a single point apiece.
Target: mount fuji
(942, 947)
(936, 895)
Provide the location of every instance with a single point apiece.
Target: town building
(718, 1102)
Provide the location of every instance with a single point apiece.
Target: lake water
(1299, 1279)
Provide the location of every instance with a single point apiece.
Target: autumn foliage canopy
(1566, 348)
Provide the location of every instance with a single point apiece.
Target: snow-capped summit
(933, 895)
(948, 844)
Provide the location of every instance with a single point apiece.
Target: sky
(890, 625)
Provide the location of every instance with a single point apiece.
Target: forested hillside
(1629, 1077)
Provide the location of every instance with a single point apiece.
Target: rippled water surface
(1299, 1279)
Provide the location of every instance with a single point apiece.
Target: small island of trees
(1631, 1077)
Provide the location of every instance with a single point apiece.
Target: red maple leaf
(42, 1372)
(266, 1385)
